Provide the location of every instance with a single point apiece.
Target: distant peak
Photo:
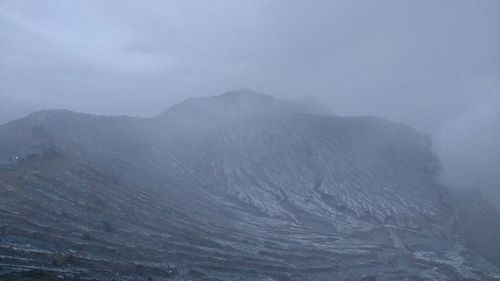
(46, 114)
(245, 102)
(242, 91)
(245, 95)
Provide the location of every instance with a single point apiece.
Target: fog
(432, 65)
(469, 148)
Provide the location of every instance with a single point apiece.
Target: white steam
(469, 148)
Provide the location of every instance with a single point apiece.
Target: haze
(432, 65)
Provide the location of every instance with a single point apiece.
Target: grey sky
(418, 62)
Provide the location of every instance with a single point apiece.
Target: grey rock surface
(240, 186)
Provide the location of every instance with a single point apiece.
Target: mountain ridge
(260, 179)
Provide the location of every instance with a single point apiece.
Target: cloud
(406, 61)
(469, 147)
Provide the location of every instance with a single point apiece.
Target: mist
(249, 140)
(469, 149)
(433, 66)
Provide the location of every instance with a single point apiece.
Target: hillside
(241, 185)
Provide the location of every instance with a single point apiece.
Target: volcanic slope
(240, 185)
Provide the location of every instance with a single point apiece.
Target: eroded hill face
(239, 185)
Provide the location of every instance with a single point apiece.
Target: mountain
(237, 186)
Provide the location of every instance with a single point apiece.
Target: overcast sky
(417, 62)
(434, 65)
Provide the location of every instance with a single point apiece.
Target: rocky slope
(240, 185)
